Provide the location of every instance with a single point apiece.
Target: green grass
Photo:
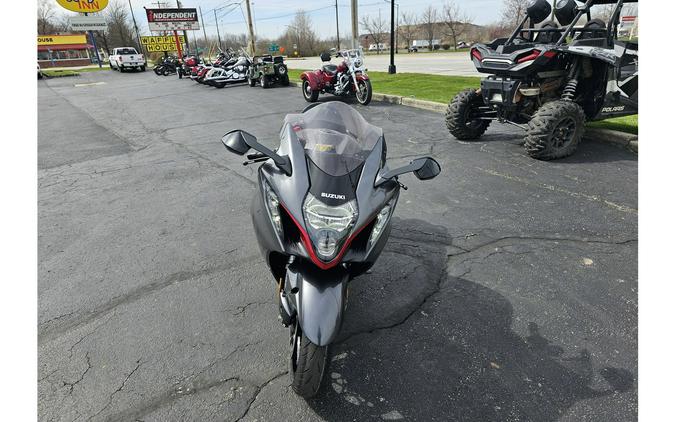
(57, 73)
(437, 88)
(622, 124)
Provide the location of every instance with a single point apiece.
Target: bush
(445, 46)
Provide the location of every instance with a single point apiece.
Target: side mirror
(424, 168)
(428, 170)
(235, 141)
(239, 142)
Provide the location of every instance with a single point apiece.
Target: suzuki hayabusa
(322, 216)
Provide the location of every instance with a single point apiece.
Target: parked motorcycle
(234, 70)
(167, 66)
(349, 78)
(322, 216)
(199, 73)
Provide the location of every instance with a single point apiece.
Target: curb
(627, 140)
(623, 139)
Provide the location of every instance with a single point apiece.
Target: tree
(514, 11)
(377, 28)
(428, 23)
(45, 17)
(455, 21)
(119, 32)
(408, 30)
(300, 32)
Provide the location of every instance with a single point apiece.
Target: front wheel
(555, 130)
(307, 92)
(364, 93)
(251, 82)
(458, 117)
(307, 364)
(142, 68)
(265, 82)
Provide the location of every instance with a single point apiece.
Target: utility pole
(337, 25)
(138, 37)
(206, 42)
(251, 35)
(220, 43)
(392, 66)
(355, 24)
(187, 43)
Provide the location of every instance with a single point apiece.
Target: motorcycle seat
(329, 68)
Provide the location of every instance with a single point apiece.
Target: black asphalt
(507, 292)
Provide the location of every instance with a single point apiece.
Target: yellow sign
(83, 6)
(169, 39)
(158, 48)
(61, 39)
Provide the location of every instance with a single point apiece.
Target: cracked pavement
(507, 292)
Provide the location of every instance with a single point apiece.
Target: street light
(392, 37)
(397, 23)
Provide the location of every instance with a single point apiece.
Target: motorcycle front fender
(319, 297)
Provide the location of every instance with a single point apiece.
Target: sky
(271, 16)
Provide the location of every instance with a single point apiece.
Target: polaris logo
(332, 195)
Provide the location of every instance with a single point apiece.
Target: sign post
(180, 51)
(86, 7)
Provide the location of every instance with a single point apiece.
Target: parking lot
(507, 292)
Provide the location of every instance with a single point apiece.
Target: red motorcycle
(349, 78)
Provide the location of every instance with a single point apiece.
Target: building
(63, 50)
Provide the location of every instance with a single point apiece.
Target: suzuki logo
(332, 195)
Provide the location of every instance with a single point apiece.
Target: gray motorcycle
(322, 216)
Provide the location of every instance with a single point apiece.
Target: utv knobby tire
(311, 364)
(555, 130)
(265, 82)
(284, 80)
(307, 92)
(457, 116)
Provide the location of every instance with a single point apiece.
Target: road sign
(172, 19)
(156, 44)
(83, 6)
(273, 48)
(87, 23)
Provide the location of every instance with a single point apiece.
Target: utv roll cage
(567, 16)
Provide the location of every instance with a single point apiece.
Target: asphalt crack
(259, 389)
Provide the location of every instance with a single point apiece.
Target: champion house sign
(172, 19)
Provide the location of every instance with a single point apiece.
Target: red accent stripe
(533, 55)
(310, 250)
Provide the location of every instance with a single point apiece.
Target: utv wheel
(307, 365)
(265, 82)
(458, 116)
(285, 81)
(366, 93)
(307, 92)
(555, 130)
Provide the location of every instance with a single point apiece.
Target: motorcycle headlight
(358, 62)
(327, 224)
(381, 222)
(272, 201)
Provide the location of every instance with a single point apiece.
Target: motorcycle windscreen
(335, 137)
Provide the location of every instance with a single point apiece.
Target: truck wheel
(307, 92)
(142, 68)
(458, 116)
(555, 130)
(307, 365)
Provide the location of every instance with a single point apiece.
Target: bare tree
(45, 17)
(377, 28)
(119, 32)
(428, 24)
(455, 21)
(301, 32)
(514, 11)
(408, 30)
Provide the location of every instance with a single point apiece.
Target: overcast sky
(271, 16)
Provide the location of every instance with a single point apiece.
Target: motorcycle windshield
(335, 137)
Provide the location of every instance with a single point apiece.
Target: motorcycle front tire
(307, 366)
(364, 99)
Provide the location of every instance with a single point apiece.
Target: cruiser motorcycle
(233, 71)
(347, 79)
(322, 215)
